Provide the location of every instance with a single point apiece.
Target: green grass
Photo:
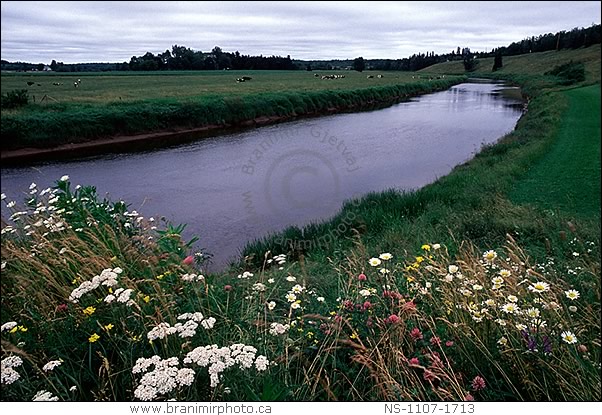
(111, 87)
(568, 177)
(530, 64)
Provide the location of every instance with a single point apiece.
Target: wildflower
(383, 271)
(419, 259)
(512, 298)
(469, 398)
(490, 256)
(8, 326)
(297, 289)
(290, 297)
(505, 273)
(428, 375)
(436, 246)
(510, 308)
(393, 318)
(582, 348)
(44, 395)
(521, 327)
(51, 365)
(290, 278)
(568, 337)
(449, 278)
(533, 312)
(449, 343)
(227, 288)
(108, 327)
(8, 365)
(572, 294)
(497, 280)
(277, 329)
(386, 256)
(271, 305)
(208, 323)
(477, 287)
(73, 388)
(367, 305)
(425, 247)
(575, 254)
(64, 178)
(501, 322)
(374, 262)
(93, 338)
(261, 363)
(416, 334)
(572, 309)
(539, 287)
(502, 341)
(435, 341)
(453, 269)
(259, 287)
(365, 293)
(89, 310)
(489, 302)
(188, 260)
(320, 299)
(146, 298)
(296, 305)
(271, 281)
(361, 277)
(478, 383)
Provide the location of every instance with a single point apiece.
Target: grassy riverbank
(473, 287)
(106, 106)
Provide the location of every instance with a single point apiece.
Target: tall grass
(421, 326)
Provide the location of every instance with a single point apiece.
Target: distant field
(531, 64)
(107, 87)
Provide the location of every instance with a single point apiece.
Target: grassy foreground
(458, 291)
(104, 106)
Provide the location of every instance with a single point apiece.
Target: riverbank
(65, 130)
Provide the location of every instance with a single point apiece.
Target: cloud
(115, 31)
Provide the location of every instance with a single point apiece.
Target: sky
(79, 31)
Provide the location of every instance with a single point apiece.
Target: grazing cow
(30, 83)
(246, 78)
(75, 84)
(370, 76)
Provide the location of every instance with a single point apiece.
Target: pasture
(109, 87)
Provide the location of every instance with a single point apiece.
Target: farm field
(103, 88)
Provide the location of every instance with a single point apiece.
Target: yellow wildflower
(108, 327)
(160, 276)
(89, 310)
(425, 247)
(93, 338)
(146, 298)
(22, 328)
(14, 329)
(419, 259)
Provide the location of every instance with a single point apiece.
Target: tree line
(183, 58)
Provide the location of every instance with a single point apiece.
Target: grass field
(104, 88)
(532, 64)
(568, 177)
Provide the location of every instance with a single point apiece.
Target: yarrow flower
(572, 294)
(8, 365)
(365, 293)
(277, 329)
(52, 365)
(163, 379)
(568, 337)
(43, 395)
(539, 287)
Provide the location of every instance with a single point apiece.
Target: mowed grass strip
(568, 177)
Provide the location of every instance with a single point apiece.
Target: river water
(234, 188)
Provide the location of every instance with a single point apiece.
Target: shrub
(15, 98)
(569, 73)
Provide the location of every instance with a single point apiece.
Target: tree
(359, 64)
(497, 61)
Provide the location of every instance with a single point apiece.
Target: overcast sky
(81, 31)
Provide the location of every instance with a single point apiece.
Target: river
(234, 188)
